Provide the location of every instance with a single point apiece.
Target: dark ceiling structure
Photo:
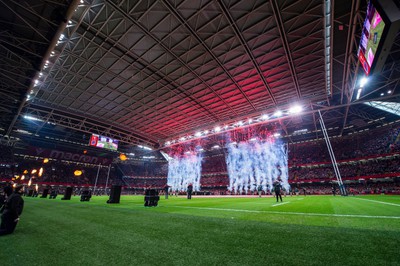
(147, 72)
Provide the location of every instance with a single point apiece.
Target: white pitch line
(381, 202)
(292, 213)
(278, 204)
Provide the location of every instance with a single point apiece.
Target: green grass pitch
(311, 230)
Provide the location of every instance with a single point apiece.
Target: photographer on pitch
(11, 211)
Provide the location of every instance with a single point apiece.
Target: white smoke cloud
(184, 170)
(255, 163)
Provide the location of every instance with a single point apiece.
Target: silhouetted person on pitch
(8, 190)
(189, 191)
(166, 191)
(11, 211)
(278, 189)
(259, 189)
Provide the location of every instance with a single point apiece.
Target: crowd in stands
(6, 154)
(139, 182)
(352, 188)
(349, 169)
(144, 168)
(214, 181)
(368, 155)
(365, 144)
(55, 172)
(213, 164)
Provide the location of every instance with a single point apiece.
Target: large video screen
(103, 142)
(371, 36)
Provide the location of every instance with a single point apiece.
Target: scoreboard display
(370, 38)
(381, 26)
(103, 142)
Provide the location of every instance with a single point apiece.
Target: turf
(312, 230)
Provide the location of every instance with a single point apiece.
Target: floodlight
(278, 113)
(198, 134)
(359, 93)
(264, 117)
(363, 82)
(295, 109)
(217, 129)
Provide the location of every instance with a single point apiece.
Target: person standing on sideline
(278, 189)
(12, 211)
(166, 190)
(189, 191)
(259, 189)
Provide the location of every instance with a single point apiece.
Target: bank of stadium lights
(388, 92)
(294, 110)
(46, 65)
(33, 118)
(145, 147)
(278, 113)
(277, 135)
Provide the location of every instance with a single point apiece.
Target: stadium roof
(145, 72)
